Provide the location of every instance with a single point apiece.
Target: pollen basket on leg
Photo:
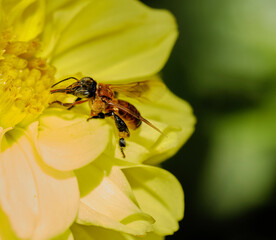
(25, 80)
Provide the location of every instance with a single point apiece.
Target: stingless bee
(103, 101)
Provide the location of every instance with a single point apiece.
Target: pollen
(25, 80)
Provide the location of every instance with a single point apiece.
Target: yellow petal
(5, 229)
(65, 236)
(172, 115)
(1, 17)
(159, 194)
(2, 133)
(81, 232)
(95, 233)
(67, 141)
(104, 204)
(53, 5)
(111, 39)
(59, 15)
(25, 16)
(38, 201)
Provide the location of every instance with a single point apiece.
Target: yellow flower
(56, 168)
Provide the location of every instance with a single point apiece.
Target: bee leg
(122, 144)
(121, 126)
(58, 102)
(78, 99)
(100, 116)
(69, 105)
(123, 131)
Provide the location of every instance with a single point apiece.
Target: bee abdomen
(132, 121)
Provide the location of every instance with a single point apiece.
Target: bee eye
(86, 79)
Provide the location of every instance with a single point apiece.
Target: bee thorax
(97, 105)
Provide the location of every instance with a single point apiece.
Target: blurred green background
(224, 65)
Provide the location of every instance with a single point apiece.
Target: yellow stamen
(25, 80)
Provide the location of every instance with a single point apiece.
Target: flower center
(24, 81)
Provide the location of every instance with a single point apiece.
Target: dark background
(224, 65)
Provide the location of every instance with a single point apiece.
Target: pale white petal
(67, 141)
(39, 202)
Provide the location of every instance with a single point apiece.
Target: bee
(103, 102)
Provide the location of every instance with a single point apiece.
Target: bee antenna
(66, 79)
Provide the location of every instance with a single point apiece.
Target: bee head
(87, 88)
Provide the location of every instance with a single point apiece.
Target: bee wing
(144, 90)
(135, 115)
